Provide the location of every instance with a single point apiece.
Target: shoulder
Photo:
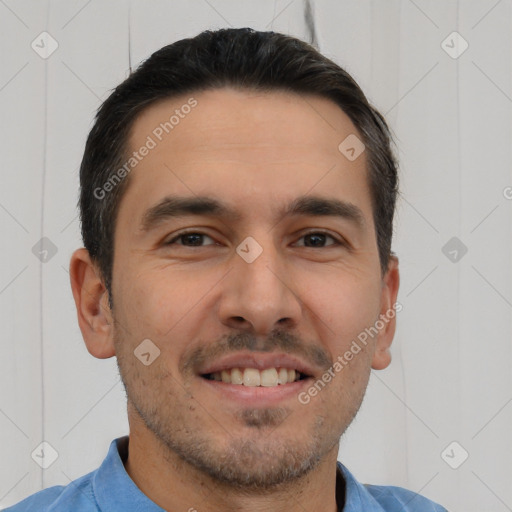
(382, 498)
(103, 485)
(397, 498)
(77, 496)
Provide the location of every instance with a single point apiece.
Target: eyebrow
(181, 206)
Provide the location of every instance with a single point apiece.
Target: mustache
(277, 341)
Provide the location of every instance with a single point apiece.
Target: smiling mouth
(253, 377)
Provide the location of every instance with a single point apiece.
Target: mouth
(254, 377)
(257, 379)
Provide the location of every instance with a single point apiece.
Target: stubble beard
(257, 461)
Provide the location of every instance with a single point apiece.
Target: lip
(260, 361)
(257, 396)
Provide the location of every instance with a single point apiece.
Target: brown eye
(317, 239)
(190, 239)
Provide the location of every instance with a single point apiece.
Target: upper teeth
(254, 377)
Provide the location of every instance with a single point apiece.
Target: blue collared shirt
(110, 489)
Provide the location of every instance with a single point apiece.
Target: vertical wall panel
(22, 129)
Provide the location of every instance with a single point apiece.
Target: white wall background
(450, 379)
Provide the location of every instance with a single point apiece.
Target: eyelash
(337, 242)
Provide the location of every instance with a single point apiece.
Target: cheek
(343, 304)
(163, 303)
(156, 306)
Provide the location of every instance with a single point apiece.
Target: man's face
(209, 306)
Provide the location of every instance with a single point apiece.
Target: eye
(317, 239)
(314, 239)
(190, 239)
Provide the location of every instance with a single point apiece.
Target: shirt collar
(357, 497)
(113, 487)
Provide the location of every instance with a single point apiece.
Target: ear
(388, 311)
(91, 299)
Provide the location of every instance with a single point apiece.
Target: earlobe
(91, 300)
(387, 317)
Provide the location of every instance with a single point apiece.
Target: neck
(173, 484)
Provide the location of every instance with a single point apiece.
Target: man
(237, 201)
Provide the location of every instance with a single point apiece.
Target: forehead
(226, 117)
(248, 147)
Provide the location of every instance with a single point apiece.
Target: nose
(260, 296)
